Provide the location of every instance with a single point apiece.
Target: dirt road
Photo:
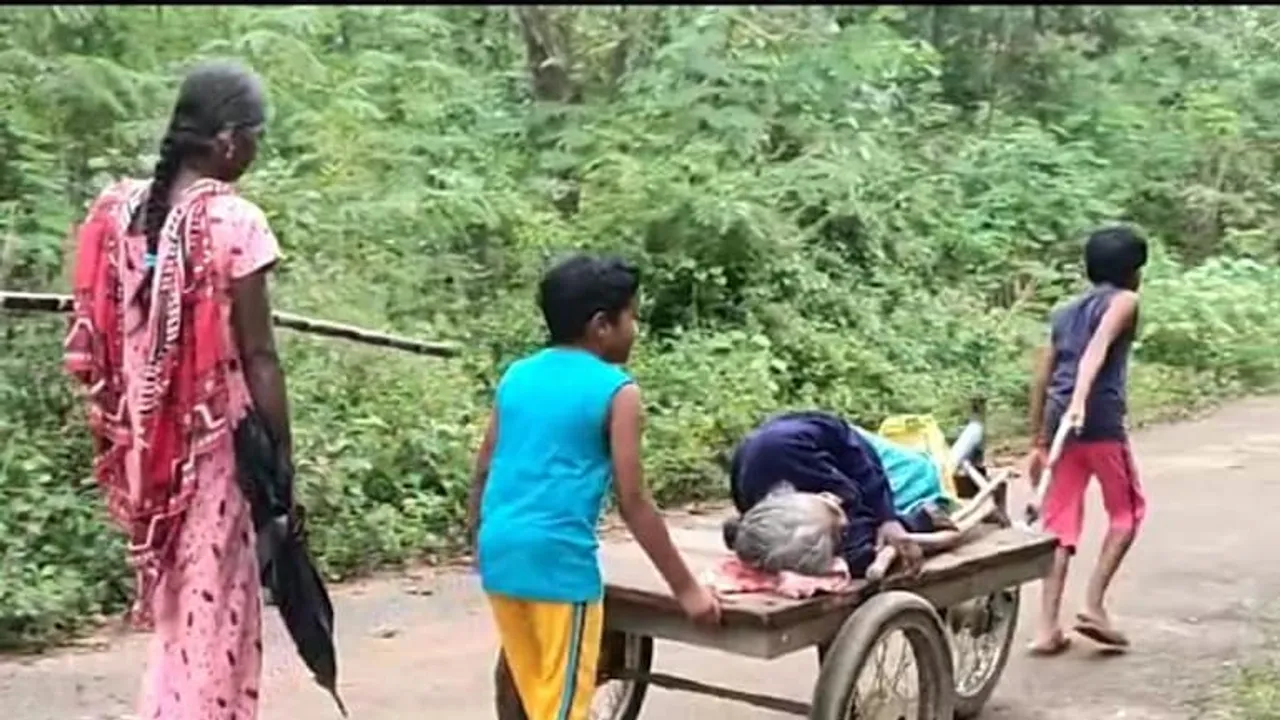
(1192, 597)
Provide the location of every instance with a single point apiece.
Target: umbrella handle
(342, 707)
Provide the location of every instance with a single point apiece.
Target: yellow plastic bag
(921, 432)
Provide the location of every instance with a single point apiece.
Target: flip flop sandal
(1099, 633)
(1059, 645)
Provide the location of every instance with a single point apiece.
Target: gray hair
(787, 530)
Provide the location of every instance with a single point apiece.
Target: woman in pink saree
(172, 342)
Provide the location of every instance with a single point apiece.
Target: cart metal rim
(613, 697)
(977, 632)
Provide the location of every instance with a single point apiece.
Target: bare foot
(1094, 615)
(880, 566)
(1054, 644)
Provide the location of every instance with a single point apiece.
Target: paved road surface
(1192, 598)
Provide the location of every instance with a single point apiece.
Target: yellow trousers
(552, 650)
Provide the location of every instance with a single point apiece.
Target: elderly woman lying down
(810, 487)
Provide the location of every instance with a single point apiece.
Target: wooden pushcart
(947, 632)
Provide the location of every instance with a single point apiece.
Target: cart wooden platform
(954, 624)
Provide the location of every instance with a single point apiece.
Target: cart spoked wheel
(618, 696)
(889, 662)
(980, 633)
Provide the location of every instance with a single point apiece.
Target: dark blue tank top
(1072, 327)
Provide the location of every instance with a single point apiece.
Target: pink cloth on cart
(733, 577)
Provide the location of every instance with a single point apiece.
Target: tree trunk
(549, 57)
(547, 52)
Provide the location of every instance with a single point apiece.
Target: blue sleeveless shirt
(1073, 326)
(550, 470)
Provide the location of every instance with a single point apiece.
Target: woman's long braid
(162, 179)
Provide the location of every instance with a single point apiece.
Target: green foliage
(1254, 694)
(865, 209)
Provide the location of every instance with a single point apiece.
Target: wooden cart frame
(968, 594)
(958, 618)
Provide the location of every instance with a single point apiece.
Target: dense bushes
(867, 209)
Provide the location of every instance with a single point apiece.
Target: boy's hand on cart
(1036, 461)
(700, 605)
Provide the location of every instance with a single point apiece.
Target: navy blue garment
(816, 452)
(1073, 327)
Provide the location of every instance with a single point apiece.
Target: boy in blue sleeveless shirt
(1081, 380)
(566, 424)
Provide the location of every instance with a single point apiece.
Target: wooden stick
(48, 302)
(36, 302)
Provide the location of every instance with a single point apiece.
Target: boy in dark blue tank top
(566, 428)
(1081, 379)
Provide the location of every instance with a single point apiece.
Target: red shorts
(1111, 462)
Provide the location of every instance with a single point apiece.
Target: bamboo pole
(49, 302)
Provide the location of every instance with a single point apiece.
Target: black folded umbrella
(287, 569)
